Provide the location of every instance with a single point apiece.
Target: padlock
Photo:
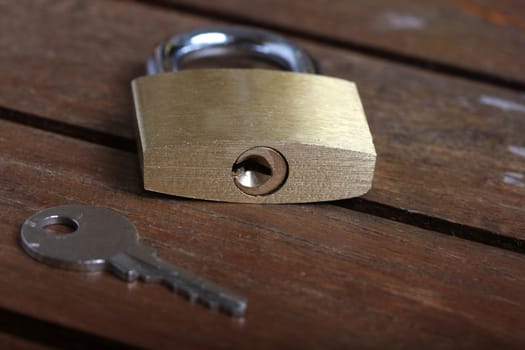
(249, 135)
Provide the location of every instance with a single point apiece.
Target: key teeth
(146, 268)
(150, 279)
(233, 308)
(237, 310)
(132, 275)
(186, 293)
(210, 304)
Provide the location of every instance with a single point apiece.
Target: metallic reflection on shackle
(216, 41)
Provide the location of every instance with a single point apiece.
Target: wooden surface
(432, 256)
(475, 37)
(444, 144)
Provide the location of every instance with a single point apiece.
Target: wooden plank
(447, 148)
(476, 35)
(7, 341)
(20, 332)
(315, 275)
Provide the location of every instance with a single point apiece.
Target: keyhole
(252, 172)
(59, 225)
(260, 171)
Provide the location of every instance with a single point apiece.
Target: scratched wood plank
(481, 35)
(316, 276)
(448, 148)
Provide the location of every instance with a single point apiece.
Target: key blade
(142, 263)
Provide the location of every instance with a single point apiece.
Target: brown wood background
(433, 256)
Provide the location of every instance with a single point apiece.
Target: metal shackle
(224, 40)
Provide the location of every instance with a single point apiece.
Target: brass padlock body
(193, 125)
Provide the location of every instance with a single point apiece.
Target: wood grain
(317, 276)
(476, 35)
(446, 147)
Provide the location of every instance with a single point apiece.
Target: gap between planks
(366, 206)
(51, 334)
(435, 66)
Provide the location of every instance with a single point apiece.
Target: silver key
(106, 240)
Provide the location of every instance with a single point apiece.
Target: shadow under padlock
(249, 135)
